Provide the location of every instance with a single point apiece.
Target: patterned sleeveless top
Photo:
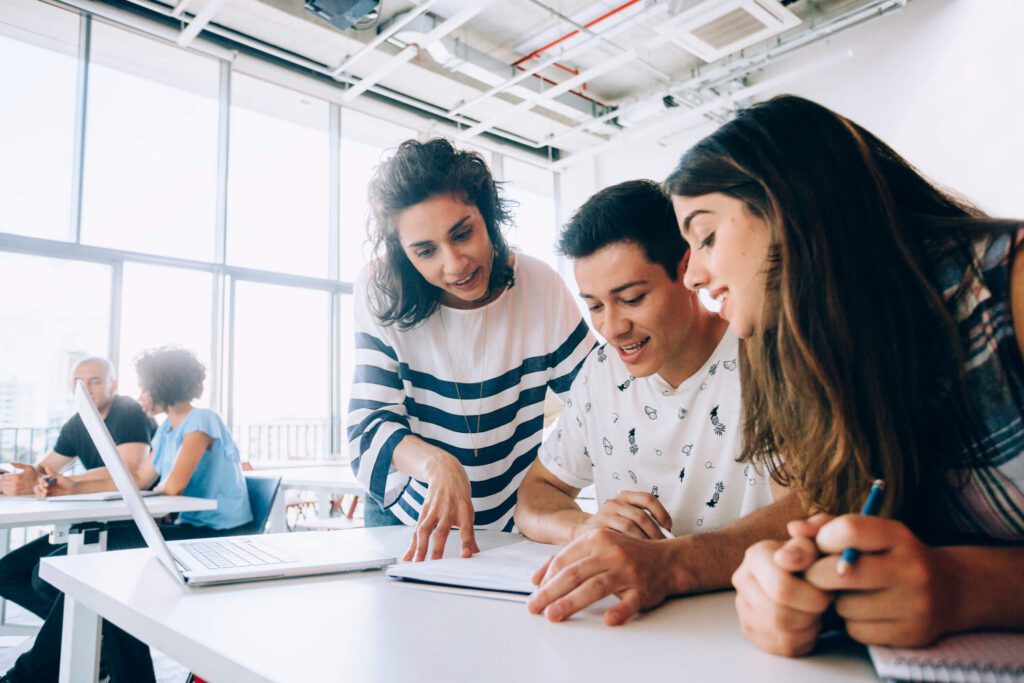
(992, 500)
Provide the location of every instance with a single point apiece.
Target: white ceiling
(632, 64)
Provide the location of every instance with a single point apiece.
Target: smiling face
(638, 308)
(728, 252)
(446, 240)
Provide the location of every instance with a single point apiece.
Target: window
(60, 315)
(535, 229)
(150, 177)
(37, 118)
(278, 179)
(163, 307)
(365, 142)
(281, 377)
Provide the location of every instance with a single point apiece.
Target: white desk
(324, 480)
(21, 511)
(361, 627)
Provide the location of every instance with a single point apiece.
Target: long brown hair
(855, 370)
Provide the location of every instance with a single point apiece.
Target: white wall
(942, 82)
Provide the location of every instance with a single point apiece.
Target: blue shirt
(218, 474)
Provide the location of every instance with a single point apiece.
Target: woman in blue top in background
(193, 455)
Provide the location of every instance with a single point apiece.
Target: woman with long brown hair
(878, 343)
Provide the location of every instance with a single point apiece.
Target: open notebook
(981, 657)
(502, 573)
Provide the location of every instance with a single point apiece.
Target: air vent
(716, 28)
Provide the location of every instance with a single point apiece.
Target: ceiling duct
(456, 55)
(715, 28)
(345, 14)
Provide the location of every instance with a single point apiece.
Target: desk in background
(71, 521)
(326, 480)
(291, 630)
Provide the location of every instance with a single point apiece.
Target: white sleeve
(565, 452)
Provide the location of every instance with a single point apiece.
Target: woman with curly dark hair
(457, 340)
(193, 455)
(882, 321)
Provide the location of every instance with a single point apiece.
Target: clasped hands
(900, 592)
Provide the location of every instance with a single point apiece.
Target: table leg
(278, 513)
(80, 639)
(5, 544)
(323, 504)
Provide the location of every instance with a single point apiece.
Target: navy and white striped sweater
(403, 383)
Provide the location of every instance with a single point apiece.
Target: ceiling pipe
(455, 55)
(562, 87)
(406, 55)
(162, 32)
(201, 21)
(728, 102)
(745, 66)
(392, 28)
(585, 29)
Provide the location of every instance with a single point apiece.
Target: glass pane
(60, 315)
(160, 307)
(278, 178)
(281, 402)
(150, 148)
(365, 141)
(535, 230)
(37, 118)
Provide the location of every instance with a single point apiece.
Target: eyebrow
(426, 243)
(690, 217)
(620, 288)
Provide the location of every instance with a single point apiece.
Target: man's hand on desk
(633, 513)
(20, 483)
(598, 564)
(53, 483)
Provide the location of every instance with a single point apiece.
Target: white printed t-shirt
(623, 433)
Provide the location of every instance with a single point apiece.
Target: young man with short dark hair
(652, 420)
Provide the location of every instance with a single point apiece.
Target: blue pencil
(871, 507)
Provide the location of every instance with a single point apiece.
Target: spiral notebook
(968, 657)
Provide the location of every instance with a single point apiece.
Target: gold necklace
(480, 398)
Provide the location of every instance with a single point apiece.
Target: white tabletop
(338, 478)
(16, 511)
(362, 627)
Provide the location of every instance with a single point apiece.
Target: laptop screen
(122, 478)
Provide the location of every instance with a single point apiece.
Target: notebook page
(508, 568)
(979, 656)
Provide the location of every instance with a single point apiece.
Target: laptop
(231, 559)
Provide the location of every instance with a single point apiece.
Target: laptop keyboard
(228, 553)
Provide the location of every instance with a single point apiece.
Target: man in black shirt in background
(131, 429)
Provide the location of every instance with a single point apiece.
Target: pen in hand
(871, 507)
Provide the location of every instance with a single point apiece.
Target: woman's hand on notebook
(779, 611)
(448, 504)
(900, 592)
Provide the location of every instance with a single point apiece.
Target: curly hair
(170, 375)
(417, 172)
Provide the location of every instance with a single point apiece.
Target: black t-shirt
(127, 423)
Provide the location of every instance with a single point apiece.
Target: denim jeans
(375, 515)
